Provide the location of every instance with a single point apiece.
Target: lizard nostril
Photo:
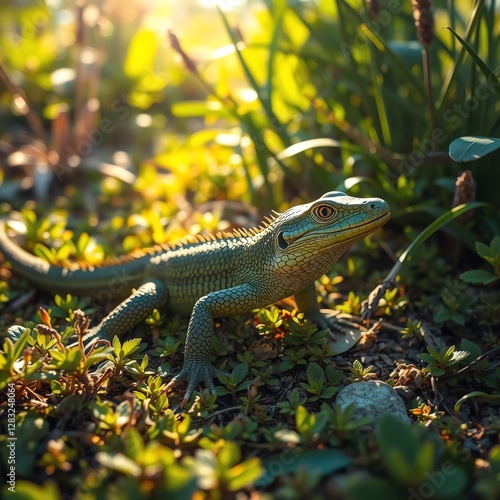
(281, 241)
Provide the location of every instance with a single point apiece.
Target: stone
(373, 398)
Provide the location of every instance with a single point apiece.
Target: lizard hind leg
(307, 302)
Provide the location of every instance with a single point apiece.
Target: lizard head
(327, 226)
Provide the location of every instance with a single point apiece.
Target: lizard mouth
(361, 230)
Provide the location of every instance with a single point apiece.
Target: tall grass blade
(486, 70)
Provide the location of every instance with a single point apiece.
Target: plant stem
(428, 87)
(27, 109)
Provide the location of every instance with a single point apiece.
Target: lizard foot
(325, 322)
(195, 371)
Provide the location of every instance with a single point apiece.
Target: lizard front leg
(129, 313)
(307, 302)
(197, 367)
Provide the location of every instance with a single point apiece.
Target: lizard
(218, 275)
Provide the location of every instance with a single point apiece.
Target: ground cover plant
(126, 128)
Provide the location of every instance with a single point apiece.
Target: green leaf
(493, 398)
(458, 318)
(320, 462)
(378, 488)
(43, 252)
(119, 463)
(478, 276)
(131, 346)
(287, 436)
(300, 147)
(240, 372)
(329, 392)
(133, 442)
(454, 482)
(20, 343)
(141, 53)
(429, 231)
(315, 374)
(117, 347)
(471, 148)
(45, 375)
(426, 357)
(473, 349)
(188, 109)
(395, 438)
(244, 474)
(184, 425)
(436, 371)
(82, 243)
(25, 490)
(302, 420)
(495, 246)
(484, 251)
(487, 71)
(229, 454)
(424, 460)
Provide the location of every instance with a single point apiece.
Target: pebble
(373, 398)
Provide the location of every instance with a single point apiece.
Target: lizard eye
(324, 212)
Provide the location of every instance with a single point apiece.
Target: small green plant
(317, 382)
(66, 306)
(360, 373)
(109, 417)
(301, 332)
(235, 381)
(270, 320)
(392, 302)
(343, 421)
(294, 401)
(122, 353)
(441, 361)
(10, 368)
(310, 426)
(152, 388)
(204, 404)
(322, 352)
(352, 305)
(138, 370)
(491, 254)
(411, 454)
(182, 433)
(266, 377)
(412, 329)
(292, 358)
(223, 468)
(424, 414)
(455, 302)
(168, 347)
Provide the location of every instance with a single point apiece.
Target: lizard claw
(195, 371)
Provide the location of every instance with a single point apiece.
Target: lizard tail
(108, 282)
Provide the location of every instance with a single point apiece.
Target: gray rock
(373, 398)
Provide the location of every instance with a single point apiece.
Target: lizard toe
(195, 371)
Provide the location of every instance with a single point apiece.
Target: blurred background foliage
(201, 100)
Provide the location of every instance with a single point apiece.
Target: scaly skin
(218, 276)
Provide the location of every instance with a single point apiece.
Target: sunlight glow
(225, 5)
